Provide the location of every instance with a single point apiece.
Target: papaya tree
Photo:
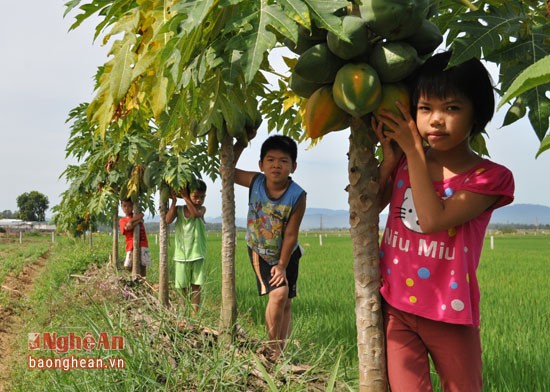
(199, 66)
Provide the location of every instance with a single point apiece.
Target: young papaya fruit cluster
(239, 128)
(386, 41)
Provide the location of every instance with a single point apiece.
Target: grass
(514, 309)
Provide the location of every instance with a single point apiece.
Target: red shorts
(262, 271)
(455, 351)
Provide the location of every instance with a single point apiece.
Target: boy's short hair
(197, 186)
(469, 79)
(280, 143)
(127, 200)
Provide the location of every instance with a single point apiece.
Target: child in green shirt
(190, 240)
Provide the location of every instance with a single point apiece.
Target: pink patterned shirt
(434, 275)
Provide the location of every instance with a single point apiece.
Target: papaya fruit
(394, 19)
(356, 31)
(318, 64)
(306, 39)
(235, 124)
(152, 174)
(394, 61)
(357, 89)
(426, 39)
(302, 87)
(164, 192)
(391, 93)
(322, 115)
(433, 9)
(213, 145)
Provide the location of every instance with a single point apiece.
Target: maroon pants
(455, 350)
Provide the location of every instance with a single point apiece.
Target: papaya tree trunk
(229, 301)
(136, 254)
(114, 251)
(163, 256)
(364, 210)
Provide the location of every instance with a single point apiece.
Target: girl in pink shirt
(441, 195)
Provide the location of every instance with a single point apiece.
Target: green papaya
(213, 145)
(148, 175)
(235, 124)
(394, 61)
(394, 19)
(426, 39)
(318, 64)
(302, 87)
(164, 192)
(433, 10)
(357, 89)
(306, 39)
(356, 31)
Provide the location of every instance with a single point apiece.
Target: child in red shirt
(127, 225)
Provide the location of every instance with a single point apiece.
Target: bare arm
(290, 239)
(242, 177)
(171, 214)
(434, 214)
(196, 212)
(136, 219)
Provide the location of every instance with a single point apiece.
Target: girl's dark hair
(469, 79)
(280, 143)
(197, 185)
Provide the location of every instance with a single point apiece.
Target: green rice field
(515, 310)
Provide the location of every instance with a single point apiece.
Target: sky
(46, 71)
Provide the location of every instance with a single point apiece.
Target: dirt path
(12, 316)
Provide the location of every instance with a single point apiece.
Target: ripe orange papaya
(391, 93)
(394, 19)
(394, 61)
(322, 115)
(356, 31)
(357, 89)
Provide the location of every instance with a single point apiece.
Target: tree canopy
(32, 206)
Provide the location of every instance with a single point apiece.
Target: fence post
(492, 243)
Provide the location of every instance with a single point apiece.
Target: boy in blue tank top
(276, 207)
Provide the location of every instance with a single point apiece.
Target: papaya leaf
(121, 73)
(322, 12)
(297, 10)
(535, 75)
(544, 145)
(196, 11)
(515, 112)
(539, 113)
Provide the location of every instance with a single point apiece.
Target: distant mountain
(317, 218)
(525, 214)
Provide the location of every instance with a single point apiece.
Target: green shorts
(189, 273)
